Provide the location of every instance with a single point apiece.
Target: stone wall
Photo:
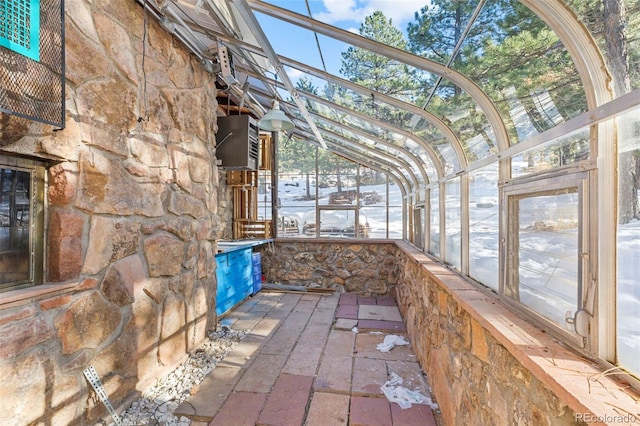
(132, 221)
(365, 267)
(474, 378)
(490, 366)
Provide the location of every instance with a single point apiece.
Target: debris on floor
(391, 341)
(404, 397)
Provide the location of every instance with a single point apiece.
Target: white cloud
(294, 74)
(338, 10)
(399, 11)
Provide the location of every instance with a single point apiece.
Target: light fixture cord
(275, 86)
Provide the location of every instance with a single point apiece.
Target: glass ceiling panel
(341, 95)
(465, 118)
(310, 55)
(290, 40)
(521, 64)
(438, 27)
(389, 137)
(369, 147)
(363, 67)
(358, 151)
(373, 107)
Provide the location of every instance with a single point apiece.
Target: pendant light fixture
(275, 120)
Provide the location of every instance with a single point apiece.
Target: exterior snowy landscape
(548, 242)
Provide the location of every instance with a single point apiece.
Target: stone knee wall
(475, 379)
(134, 211)
(363, 267)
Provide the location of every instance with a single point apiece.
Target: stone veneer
(366, 267)
(135, 204)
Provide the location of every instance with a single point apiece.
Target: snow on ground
(548, 257)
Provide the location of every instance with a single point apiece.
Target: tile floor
(303, 363)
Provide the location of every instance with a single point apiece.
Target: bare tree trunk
(616, 41)
(618, 63)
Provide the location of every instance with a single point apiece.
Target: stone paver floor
(304, 363)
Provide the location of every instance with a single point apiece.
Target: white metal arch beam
(416, 160)
(384, 166)
(391, 160)
(581, 46)
(485, 103)
(422, 143)
(428, 116)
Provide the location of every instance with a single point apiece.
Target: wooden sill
(27, 295)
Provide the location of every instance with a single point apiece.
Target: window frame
(512, 193)
(37, 210)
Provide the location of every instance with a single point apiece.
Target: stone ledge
(582, 384)
(23, 296)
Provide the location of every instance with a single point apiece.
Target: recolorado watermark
(607, 418)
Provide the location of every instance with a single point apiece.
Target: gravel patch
(156, 405)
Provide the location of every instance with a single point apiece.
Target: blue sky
(300, 45)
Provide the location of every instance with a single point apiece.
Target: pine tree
(378, 72)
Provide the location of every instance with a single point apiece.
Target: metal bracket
(92, 377)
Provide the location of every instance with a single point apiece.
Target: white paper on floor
(390, 341)
(404, 397)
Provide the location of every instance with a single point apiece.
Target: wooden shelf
(242, 178)
(245, 203)
(245, 228)
(244, 184)
(264, 156)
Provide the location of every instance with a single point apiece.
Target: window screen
(32, 60)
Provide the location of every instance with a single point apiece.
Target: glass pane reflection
(548, 253)
(15, 221)
(484, 225)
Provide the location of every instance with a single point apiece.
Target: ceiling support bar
(258, 33)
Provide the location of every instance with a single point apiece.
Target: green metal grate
(20, 27)
(32, 86)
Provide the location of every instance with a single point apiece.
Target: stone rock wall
(132, 221)
(363, 267)
(475, 379)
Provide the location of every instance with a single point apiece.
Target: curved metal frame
(448, 133)
(392, 162)
(485, 103)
